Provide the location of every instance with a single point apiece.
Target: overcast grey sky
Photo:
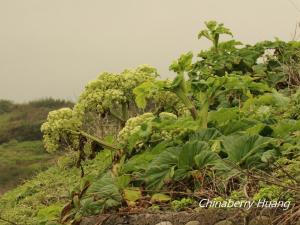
(54, 47)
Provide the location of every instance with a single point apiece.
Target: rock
(224, 222)
(93, 220)
(298, 223)
(261, 220)
(164, 223)
(193, 223)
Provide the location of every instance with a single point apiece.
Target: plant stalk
(187, 102)
(204, 114)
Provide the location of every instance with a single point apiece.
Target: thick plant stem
(187, 102)
(194, 113)
(125, 112)
(179, 88)
(216, 43)
(99, 141)
(204, 114)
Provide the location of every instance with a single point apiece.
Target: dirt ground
(204, 216)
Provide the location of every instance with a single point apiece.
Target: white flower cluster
(100, 95)
(170, 102)
(132, 126)
(58, 126)
(268, 54)
(110, 89)
(167, 115)
(141, 129)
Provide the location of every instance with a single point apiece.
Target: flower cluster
(57, 129)
(132, 127)
(110, 89)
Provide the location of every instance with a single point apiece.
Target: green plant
(6, 106)
(161, 170)
(57, 129)
(234, 121)
(49, 214)
(182, 203)
(213, 32)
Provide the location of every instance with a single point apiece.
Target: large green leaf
(237, 125)
(187, 158)
(161, 169)
(272, 99)
(189, 151)
(206, 158)
(139, 161)
(245, 150)
(226, 169)
(207, 134)
(285, 128)
(142, 92)
(223, 115)
(105, 191)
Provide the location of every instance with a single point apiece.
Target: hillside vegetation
(20, 160)
(226, 127)
(21, 150)
(22, 122)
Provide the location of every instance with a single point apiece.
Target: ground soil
(204, 216)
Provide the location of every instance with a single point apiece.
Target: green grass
(4, 118)
(21, 160)
(22, 204)
(21, 151)
(42, 198)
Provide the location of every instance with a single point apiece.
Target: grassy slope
(21, 151)
(41, 199)
(22, 155)
(20, 160)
